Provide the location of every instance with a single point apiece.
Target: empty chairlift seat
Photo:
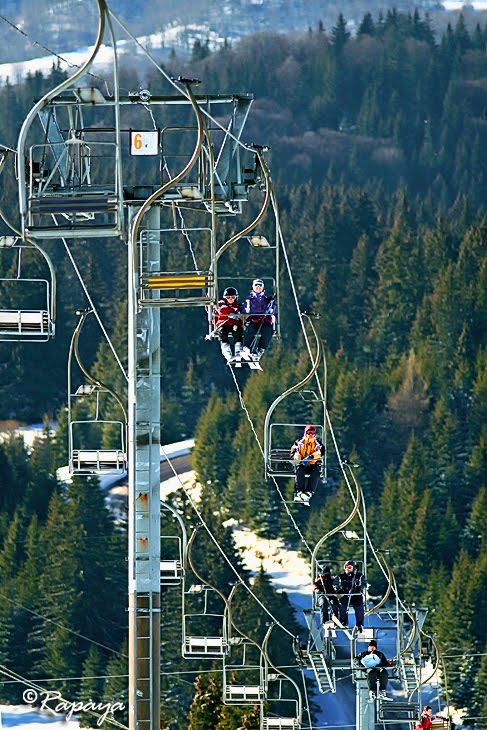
(99, 461)
(204, 646)
(398, 712)
(88, 453)
(26, 325)
(243, 693)
(170, 572)
(27, 303)
(65, 196)
(175, 267)
(280, 723)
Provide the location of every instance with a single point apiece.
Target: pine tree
(91, 688)
(206, 707)
(116, 683)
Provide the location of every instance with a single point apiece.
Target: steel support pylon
(144, 491)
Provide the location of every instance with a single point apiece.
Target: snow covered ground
(23, 716)
(182, 38)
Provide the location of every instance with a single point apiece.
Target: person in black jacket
(375, 663)
(327, 600)
(351, 586)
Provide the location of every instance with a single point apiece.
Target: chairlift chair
(278, 436)
(63, 188)
(87, 435)
(173, 551)
(244, 680)
(279, 461)
(177, 287)
(210, 644)
(33, 319)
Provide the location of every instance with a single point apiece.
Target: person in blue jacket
(260, 317)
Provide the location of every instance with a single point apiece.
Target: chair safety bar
(197, 281)
(66, 204)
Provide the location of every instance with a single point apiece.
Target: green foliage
(383, 217)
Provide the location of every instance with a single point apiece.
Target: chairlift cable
(244, 408)
(33, 685)
(92, 305)
(86, 373)
(215, 541)
(61, 626)
(46, 48)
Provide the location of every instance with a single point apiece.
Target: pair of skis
(302, 498)
(244, 359)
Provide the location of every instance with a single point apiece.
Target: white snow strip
(174, 483)
(25, 716)
(287, 569)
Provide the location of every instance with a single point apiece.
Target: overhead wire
(245, 409)
(274, 203)
(61, 626)
(220, 549)
(41, 690)
(92, 305)
(49, 50)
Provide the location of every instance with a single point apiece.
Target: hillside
(377, 155)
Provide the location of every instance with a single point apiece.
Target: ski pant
(377, 674)
(225, 331)
(328, 606)
(313, 471)
(251, 329)
(357, 602)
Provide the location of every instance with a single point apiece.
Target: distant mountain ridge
(67, 24)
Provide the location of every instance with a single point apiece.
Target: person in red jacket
(228, 322)
(427, 718)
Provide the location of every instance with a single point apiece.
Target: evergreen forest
(378, 157)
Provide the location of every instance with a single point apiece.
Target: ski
(238, 360)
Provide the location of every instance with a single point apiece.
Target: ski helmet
(325, 569)
(350, 563)
(230, 291)
(258, 282)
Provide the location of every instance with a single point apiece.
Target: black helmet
(230, 291)
(325, 569)
(349, 562)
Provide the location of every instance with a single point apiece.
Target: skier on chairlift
(351, 586)
(228, 323)
(324, 586)
(307, 453)
(427, 719)
(261, 313)
(375, 663)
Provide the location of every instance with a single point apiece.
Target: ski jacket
(350, 583)
(222, 312)
(426, 721)
(325, 583)
(259, 304)
(383, 661)
(307, 447)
